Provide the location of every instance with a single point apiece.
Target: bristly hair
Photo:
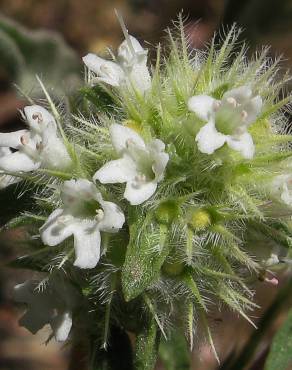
(195, 244)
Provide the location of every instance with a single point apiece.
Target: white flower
(51, 305)
(282, 186)
(130, 67)
(141, 166)
(6, 180)
(227, 120)
(37, 147)
(84, 215)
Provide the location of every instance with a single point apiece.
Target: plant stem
(147, 344)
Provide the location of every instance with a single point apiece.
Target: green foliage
(280, 356)
(25, 54)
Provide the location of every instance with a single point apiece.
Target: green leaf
(99, 97)
(280, 356)
(146, 253)
(24, 53)
(12, 61)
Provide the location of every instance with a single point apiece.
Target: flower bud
(200, 219)
(167, 212)
(133, 125)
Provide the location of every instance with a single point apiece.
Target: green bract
(188, 159)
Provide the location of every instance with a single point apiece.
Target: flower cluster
(164, 193)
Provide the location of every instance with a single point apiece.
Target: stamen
(232, 101)
(129, 142)
(140, 178)
(39, 146)
(99, 214)
(38, 116)
(244, 115)
(24, 140)
(217, 105)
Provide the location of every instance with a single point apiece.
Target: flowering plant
(153, 196)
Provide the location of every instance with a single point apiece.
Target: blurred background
(48, 37)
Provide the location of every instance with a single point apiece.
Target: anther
(39, 146)
(38, 116)
(232, 101)
(129, 142)
(244, 115)
(140, 178)
(24, 140)
(99, 214)
(217, 105)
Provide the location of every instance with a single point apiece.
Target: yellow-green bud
(167, 212)
(133, 125)
(200, 219)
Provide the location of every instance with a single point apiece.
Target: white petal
(121, 135)
(279, 181)
(12, 139)
(86, 244)
(39, 118)
(113, 219)
(159, 165)
(139, 77)
(156, 145)
(240, 94)
(17, 162)
(5, 151)
(61, 326)
(286, 196)
(209, 139)
(106, 71)
(79, 188)
(253, 108)
(243, 143)
(54, 231)
(137, 195)
(93, 62)
(202, 105)
(120, 170)
(54, 154)
(129, 54)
